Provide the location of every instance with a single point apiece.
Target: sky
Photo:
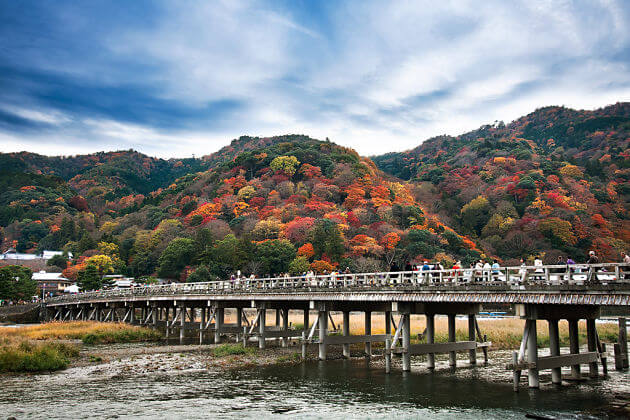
(177, 78)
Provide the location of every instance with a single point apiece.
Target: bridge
(550, 292)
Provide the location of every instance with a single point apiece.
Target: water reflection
(348, 388)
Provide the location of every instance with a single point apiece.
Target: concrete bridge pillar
(532, 355)
(239, 323)
(591, 337)
(430, 339)
(574, 347)
(219, 320)
(452, 355)
(182, 323)
(306, 320)
(154, 315)
(388, 341)
(554, 347)
(368, 331)
(132, 315)
(285, 326)
(202, 324)
(167, 311)
(323, 329)
(406, 342)
(262, 320)
(346, 333)
(472, 353)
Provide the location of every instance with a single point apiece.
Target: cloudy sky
(175, 78)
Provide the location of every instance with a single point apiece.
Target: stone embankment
(20, 314)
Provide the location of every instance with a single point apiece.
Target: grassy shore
(18, 355)
(38, 348)
(89, 332)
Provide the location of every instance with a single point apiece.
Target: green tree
(299, 265)
(476, 214)
(89, 278)
(327, 240)
(229, 255)
(178, 254)
(60, 261)
(16, 283)
(275, 255)
(201, 274)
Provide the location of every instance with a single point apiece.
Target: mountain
(554, 182)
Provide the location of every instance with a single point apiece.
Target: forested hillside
(552, 182)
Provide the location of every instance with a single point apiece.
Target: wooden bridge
(551, 293)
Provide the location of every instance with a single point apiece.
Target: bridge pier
(262, 320)
(472, 325)
(574, 347)
(452, 355)
(430, 339)
(368, 331)
(406, 341)
(346, 333)
(323, 329)
(552, 313)
(182, 323)
(219, 320)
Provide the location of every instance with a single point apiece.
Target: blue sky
(174, 78)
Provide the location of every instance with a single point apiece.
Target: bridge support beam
(346, 333)
(452, 355)
(285, 326)
(532, 355)
(323, 329)
(406, 342)
(182, 324)
(430, 339)
(554, 347)
(262, 320)
(239, 323)
(167, 311)
(388, 342)
(368, 331)
(202, 324)
(591, 338)
(574, 347)
(472, 324)
(219, 320)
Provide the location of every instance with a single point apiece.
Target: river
(332, 389)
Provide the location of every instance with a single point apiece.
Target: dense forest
(554, 182)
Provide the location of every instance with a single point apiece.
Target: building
(54, 283)
(12, 254)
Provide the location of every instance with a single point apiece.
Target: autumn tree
(286, 164)
(476, 214)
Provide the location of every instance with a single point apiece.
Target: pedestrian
(495, 270)
(592, 258)
(625, 258)
(426, 275)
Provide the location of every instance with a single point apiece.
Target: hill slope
(552, 182)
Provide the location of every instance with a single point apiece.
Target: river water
(332, 389)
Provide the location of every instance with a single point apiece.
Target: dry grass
(89, 331)
(504, 333)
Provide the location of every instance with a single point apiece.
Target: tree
(58, 261)
(327, 239)
(299, 265)
(475, 214)
(89, 278)
(201, 274)
(16, 283)
(286, 164)
(266, 229)
(177, 255)
(297, 230)
(306, 250)
(275, 255)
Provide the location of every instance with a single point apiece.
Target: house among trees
(54, 283)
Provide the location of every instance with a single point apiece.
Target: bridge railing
(519, 277)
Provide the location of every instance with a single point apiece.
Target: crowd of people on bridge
(481, 271)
